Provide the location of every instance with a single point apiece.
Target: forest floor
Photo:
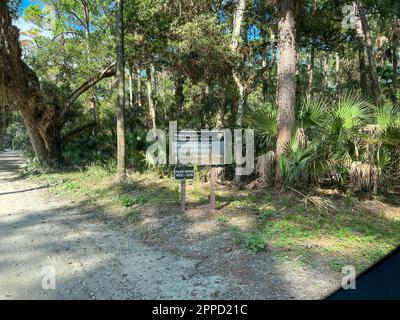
(133, 241)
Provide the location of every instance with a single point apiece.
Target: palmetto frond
(313, 112)
(263, 121)
(351, 112)
(387, 116)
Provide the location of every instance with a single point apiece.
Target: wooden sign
(204, 148)
(200, 147)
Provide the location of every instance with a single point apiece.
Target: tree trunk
(237, 24)
(395, 62)
(363, 71)
(242, 99)
(20, 89)
(150, 98)
(121, 165)
(139, 87)
(43, 117)
(236, 31)
(130, 89)
(267, 81)
(371, 58)
(95, 119)
(234, 46)
(286, 79)
(361, 54)
(310, 89)
(324, 63)
(337, 73)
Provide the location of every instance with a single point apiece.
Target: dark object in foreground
(382, 281)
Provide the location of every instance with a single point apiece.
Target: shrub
(129, 201)
(71, 186)
(267, 214)
(222, 219)
(126, 201)
(255, 242)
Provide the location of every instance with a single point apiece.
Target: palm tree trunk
(286, 79)
(121, 158)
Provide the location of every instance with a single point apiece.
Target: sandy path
(90, 259)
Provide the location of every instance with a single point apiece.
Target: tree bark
(361, 54)
(371, 58)
(237, 25)
(324, 64)
(130, 89)
(363, 71)
(310, 89)
(139, 87)
(95, 118)
(20, 89)
(242, 98)
(395, 54)
(286, 79)
(234, 46)
(121, 157)
(150, 98)
(337, 72)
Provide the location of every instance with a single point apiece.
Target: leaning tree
(44, 113)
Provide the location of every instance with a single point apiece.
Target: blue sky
(21, 23)
(26, 3)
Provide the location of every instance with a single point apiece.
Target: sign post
(198, 147)
(212, 189)
(183, 195)
(182, 174)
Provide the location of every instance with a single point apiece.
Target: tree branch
(106, 73)
(66, 32)
(77, 131)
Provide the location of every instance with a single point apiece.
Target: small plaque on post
(184, 173)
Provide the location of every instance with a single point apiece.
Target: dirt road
(39, 236)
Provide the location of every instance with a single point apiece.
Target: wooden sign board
(204, 148)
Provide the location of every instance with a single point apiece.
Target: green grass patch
(222, 219)
(266, 214)
(359, 238)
